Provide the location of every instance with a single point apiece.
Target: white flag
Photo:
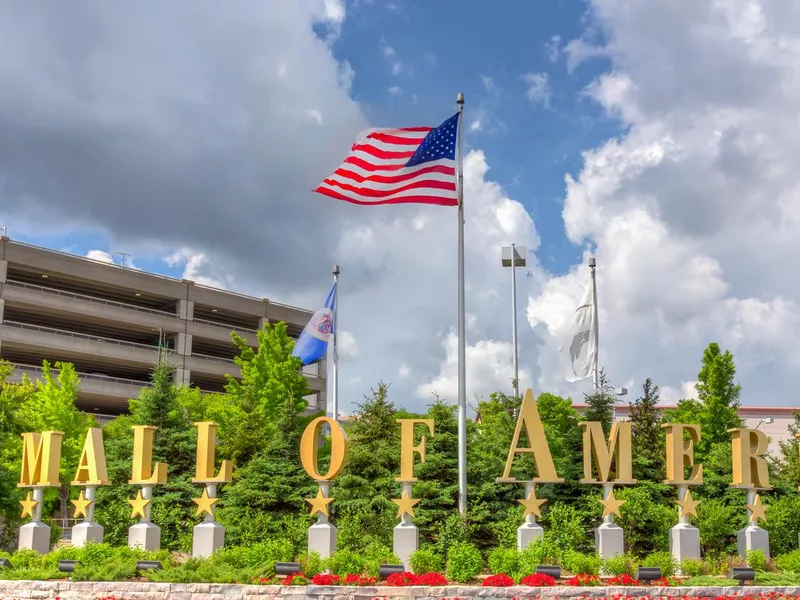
(582, 343)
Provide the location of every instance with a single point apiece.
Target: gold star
(406, 504)
(81, 505)
(532, 504)
(688, 506)
(28, 505)
(205, 503)
(139, 504)
(757, 510)
(319, 504)
(611, 505)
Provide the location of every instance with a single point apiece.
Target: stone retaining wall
(127, 590)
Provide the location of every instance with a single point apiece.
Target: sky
(660, 137)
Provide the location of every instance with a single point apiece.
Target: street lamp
(514, 257)
(618, 392)
(764, 421)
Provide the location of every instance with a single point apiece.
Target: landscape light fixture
(5, 564)
(67, 566)
(385, 570)
(552, 571)
(148, 565)
(742, 574)
(287, 568)
(648, 573)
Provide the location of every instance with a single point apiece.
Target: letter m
(41, 458)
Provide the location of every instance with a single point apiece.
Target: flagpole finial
(592, 263)
(460, 98)
(335, 269)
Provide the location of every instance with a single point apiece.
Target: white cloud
(347, 346)
(397, 66)
(100, 255)
(194, 263)
(395, 90)
(403, 371)
(552, 48)
(538, 91)
(693, 209)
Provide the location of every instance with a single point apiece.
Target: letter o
(308, 449)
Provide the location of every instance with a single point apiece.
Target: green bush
(692, 567)
(663, 560)
(506, 560)
(775, 579)
(704, 580)
(544, 551)
(624, 564)
(375, 555)
(578, 563)
(789, 562)
(425, 561)
(343, 562)
(201, 570)
(464, 562)
(756, 559)
(311, 564)
(258, 559)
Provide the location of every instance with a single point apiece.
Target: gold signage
(542, 459)
(680, 454)
(41, 458)
(206, 452)
(92, 464)
(143, 472)
(407, 447)
(309, 447)
(618, 449)
(749, 466)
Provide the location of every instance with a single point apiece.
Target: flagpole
(335, 373)
(462, 347)
(596, 323)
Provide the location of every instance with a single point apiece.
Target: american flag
(393, 166)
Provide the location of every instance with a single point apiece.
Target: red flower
(295, 579)
(665, 582)
(498, 580)
(431, 579)
(623, 579)
(361, 580)
(584, 580)
(325, 579)
(538, 580)
(401, 579)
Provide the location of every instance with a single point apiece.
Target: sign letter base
(144, 535)
(322, 538)
(208, 538)
(35, 536)
(684, 542)
(87, 532)
(528, 532)
(609, 540)
(752, 537)
(406, 541)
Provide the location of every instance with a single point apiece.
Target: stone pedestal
(406, 541)
(684, 542)
(86, 532)
(208, 538)
(35, 536)
(527, 533)
(609, 540)
(752, 537)
(144, 535)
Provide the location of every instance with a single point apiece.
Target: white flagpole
(596, 325)
(462, 347)
(335, 373)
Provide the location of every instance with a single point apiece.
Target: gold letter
(407, 447)
(680, 454)
(41, 459)
(92, 464)
(619, 448)
(141, 473)
(542, 459)
(206, 449)
(309, 447)
(749, 467)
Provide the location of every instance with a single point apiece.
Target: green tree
(718, 396)
(648, 447)
(600, 403)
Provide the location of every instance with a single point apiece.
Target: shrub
(498, 580)
(376, 555)
(704, 580)
(693, 567)
(584, 580)
(662, 560)
(538, 580)
(544, 551)
(789, 562)
(425, 561)
(756, 559)
(623, 564)
(577, 562)
(312, 563)
(464, 562)
(505, 560)
(258, 558)
(343, 562)
(665, 582)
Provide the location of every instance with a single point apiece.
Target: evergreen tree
(648, 455)
(718, 396)
(600, 403)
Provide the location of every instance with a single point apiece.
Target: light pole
(514, 257)
(764, 421)
(618, 392)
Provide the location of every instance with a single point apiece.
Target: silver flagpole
(596, 323)
(462, 347)
(335, 374)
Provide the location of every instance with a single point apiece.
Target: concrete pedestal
(35, 536)
(527, 533)
(322, 539)
(208, 538)
(609, 540)
(752, 537)
(86, 532)
(406, 541)
(684, 542)
(144, 535)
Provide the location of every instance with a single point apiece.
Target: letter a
(542, 459)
